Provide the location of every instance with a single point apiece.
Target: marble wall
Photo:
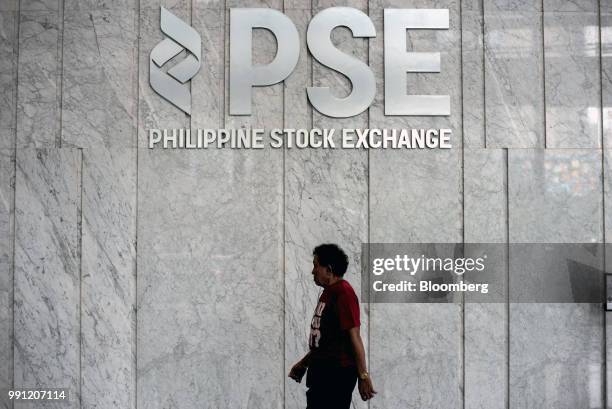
(143, 278)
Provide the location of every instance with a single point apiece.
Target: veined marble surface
(8, 86)
(607, 185)
(47, 277)
(572, 66)
(326, 195)
(514, 89)
(99, 78)
(473, 90)
(153, 110)
(7, 181)
(415, 349)
(108, 275)
(556, 350)
(39, 75)
(485, 325)
(606, 72)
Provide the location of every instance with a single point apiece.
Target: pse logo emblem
(172, 83)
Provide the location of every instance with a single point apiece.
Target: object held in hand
(297, 372)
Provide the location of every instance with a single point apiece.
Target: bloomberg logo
(243, 75)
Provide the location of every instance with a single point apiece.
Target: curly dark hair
(332, 256)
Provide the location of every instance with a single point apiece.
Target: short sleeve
(347, 306)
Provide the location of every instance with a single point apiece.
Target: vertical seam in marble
(284, 264)
(80, 247)
(462, 360)
(13, 244)
(186, 115)
(12, 302)
(369, 40)
(484, 75)
(601, 101)
(60, 75)
(544, 73)
(604, 381)
(507, 181)
(14, 188)
(225, 64)
(135, 310)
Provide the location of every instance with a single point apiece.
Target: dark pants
(330, 387)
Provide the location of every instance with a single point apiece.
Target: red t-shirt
(336, 313)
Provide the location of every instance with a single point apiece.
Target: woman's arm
(366, 389)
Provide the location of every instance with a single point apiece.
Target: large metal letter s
(360, 75)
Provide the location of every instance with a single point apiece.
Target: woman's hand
(366, 389)
(297, 372)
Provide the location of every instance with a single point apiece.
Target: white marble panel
(416, 349)
(556, 355)
(608, 364)
(108, 287)
(148, 6)
(606, 73)
(530, 6)
(39, 73)
(346, 221)
(208, 4)
(415, 196)
(318, 5)
(573, 6)
(47, 279)
(514, 91)
(325, 200)
(472, 5)
(153, 110)
(210, 284)
(486, 355)
(8, 82)
(84, 5)
(298, 113)
(299, 215)
(556, 350)
(323, 205)
(9, 5)
(207, 86)
(274, 4)
(572, 89)
(555, 196)
(7, 191)
(485, 195)
(39, 5)
(209, 280)
(473, 91)
(486, 343)
(99, 79)
(607, 181)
